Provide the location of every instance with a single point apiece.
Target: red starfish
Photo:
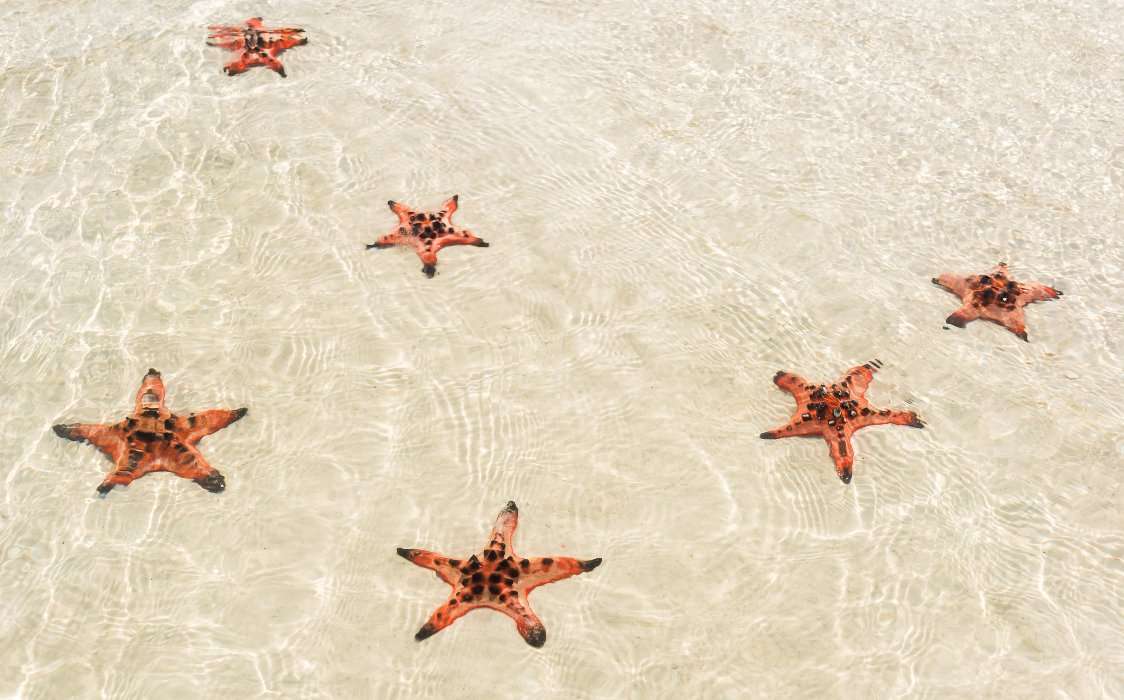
(497, 579)
(835, 412)
(153, 439)
(427, 233)
(257, 45)
(994, 297)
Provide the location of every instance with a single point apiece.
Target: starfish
(427, 233)
(256, 45)
(994, 297)
(498, 579)
(835, 412)
(153, 439)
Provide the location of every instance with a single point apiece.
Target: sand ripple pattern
(682, 198)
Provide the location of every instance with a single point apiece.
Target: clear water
(682, 198)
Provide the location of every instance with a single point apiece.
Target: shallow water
(682, 198)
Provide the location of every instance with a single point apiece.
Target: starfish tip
(845, 477)
(239, 413)
(429, 271)
(917, 423)
(591, 564)
(511, 507)
(104, 490)
(768, 436)
(456, 197)
(404, 553)
(936, 281)
(1023, 336)
(536, 636)
(425, 632)
(63, 431)
(152, 373)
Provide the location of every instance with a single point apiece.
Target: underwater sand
(682, 198)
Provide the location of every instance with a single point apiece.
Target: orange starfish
(994, 297)
(498, 579)
(255, 44)
(835, 412)
(427, 233)
(153, 439)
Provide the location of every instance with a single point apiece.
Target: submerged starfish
(153, 439)
(994, 297)
(835, 412)
(427, 233)
(256, 45)
(498, 579)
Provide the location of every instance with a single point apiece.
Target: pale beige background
(682, 198)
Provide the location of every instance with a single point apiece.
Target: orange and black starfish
(835, 412)
(153, 439)
(994, 297)
(498, 579)
(427, 233)
(255, 44)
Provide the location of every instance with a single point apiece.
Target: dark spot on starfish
(454, 562)
(524, 563)
(494, 578)
(452, 602)
(536, 636)
(547, 561)
(477, 590)
(806, 416)
(494, 590)
(508, 582)
(866, 411)
(490, 555)
(150, 413)
(842, 447)
(473, 562)
(984, 279)
(503, 597)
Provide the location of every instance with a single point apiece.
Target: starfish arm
(908, 418)
(1038, 292)
(189, 463)
(792, 383)
(401, 210)
(842, 454)
(243, 63)
(451, 611)
(957, 284)
(288, 41)
(858, 378)
(460, 238)
(197, 426)
(795, 427)
(1013, 320)
(122, 475)
(110, 439)
(232, 43)
(449, 207)
(429, 260)
(270, 61)
(543, 570)
(390, 240)
(961, 316)
(504, 530)
(444, 567)
(526, 621)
